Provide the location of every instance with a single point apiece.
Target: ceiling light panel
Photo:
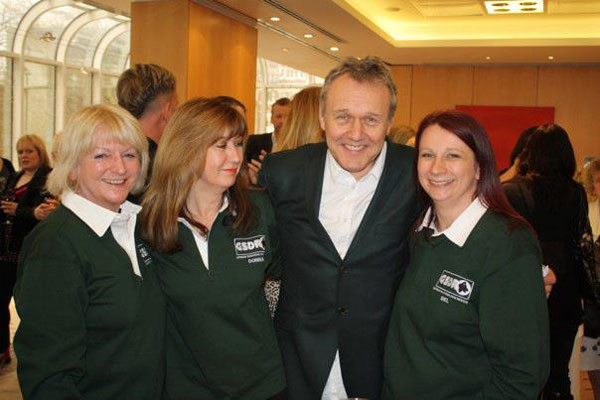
(514, 6)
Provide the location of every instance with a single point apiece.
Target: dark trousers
(564, 309)
(8, 273)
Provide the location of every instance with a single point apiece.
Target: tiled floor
(9, 386)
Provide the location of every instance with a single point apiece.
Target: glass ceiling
(50, 24)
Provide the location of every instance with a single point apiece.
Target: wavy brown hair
(196, 125)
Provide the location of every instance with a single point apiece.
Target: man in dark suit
(148, 92)
(344, 210)
(258, 143)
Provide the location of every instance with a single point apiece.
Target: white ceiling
(413, 31)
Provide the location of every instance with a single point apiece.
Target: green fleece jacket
(220, 338)
(90, 328)
(470, 322)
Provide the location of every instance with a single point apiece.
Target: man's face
(355, 122)
(278, 116)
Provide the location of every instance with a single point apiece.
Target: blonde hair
(302, 124)
(39, 145)
(179, 163)
(592, 168)
(401, 134)
(79, 137)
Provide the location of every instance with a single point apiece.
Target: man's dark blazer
(256, 143)
(327, 302)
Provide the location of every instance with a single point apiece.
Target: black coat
(24, 220)
(327, 302)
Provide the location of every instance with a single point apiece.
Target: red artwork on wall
(505, 124)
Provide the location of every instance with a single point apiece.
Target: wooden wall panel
(222, 58)
(436, 88)
(505, 86)
(402, 76)
(158, 35)
(575, 92)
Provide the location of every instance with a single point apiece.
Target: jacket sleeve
(51, 299)
(34, 197)
(514, 322)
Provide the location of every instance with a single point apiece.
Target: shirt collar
(458, 232)
(96, 217)
(340, 175)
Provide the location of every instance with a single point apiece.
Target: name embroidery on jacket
(454, 286)
(252, 248)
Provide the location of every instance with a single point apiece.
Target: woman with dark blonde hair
(302, 125)
(21, 195)
(214, 243)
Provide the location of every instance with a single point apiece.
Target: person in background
(590, 351)
(92, 313)
(22, 194)
(6, 171)
(149, 93)
(50, 202)
(302, 123)
(469, 319)
(301, 127)
(214, 242)
(556, 207)
(263, 144)
(402, 134)
(344, 209)
(516, 168)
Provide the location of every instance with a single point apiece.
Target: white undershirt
(344, 201)
(201, 241)
(99, 219)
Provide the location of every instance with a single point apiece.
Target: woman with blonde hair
(22, 193)
(92, 313)
(302, 125)
(214, 243)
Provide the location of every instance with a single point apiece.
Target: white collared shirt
(458, 232)
(99, 219)
(201, 241)
(344, 202)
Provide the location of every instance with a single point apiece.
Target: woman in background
(555, 205)
(302, 124)
(214, 243)
(92, 313)
(590, 351)
(469, 318)
(22, 193)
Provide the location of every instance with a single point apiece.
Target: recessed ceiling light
(275, 19)
(285, 49)
(308, 35)
(550, 57)
(334, 49)
(393, 9)
(488, 58)
(514, 6)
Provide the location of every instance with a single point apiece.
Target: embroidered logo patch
(454, 286)
(252, 248)
(144, 253)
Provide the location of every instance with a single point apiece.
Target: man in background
(257, 143)
(148, 92)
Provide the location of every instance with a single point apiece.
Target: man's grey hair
(371, 70)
